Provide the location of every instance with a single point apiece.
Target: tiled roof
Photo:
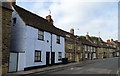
(38, 22)
(86, 42)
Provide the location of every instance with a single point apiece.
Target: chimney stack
(49, 19)
(111, 40)
(87, 36)
(108, 41)
(72, 31)
(99, 39)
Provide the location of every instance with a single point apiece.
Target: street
(101, 66)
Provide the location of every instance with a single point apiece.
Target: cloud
(93, 17)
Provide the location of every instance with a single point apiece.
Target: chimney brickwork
(72, 31)
(49, 19)
(87, 36)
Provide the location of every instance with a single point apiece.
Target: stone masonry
(6, 26)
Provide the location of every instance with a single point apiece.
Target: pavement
(51, 68)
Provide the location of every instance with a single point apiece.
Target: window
(14, 21)
(86, 55)
(37, 56)
(79, 48)
(91, 48)
(59, 55)
(88, 48)
(69, 46)
(94, 49)
(85, 48)
(58, 39)
(40, 35)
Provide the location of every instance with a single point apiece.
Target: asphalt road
(101, 66)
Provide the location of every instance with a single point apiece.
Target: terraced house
(88, 48)
(112, 48)
(35, 41)
(73, 49)
(70, 46)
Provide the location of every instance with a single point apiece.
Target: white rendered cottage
(35, 41)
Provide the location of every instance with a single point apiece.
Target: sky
(92, 16)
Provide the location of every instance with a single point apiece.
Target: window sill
(57, 43)
(41, 40)
(59, 59)
(37, 61)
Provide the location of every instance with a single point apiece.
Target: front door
(53, 58)
(13, 62)
(47, 58)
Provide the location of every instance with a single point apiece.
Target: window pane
(37, 55)
(35, 58)
(58, 39)
(40, 35)
(38, 58)
(59, 56)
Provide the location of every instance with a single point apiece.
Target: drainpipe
(51, 48)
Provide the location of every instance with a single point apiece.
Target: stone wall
(6, 29)
(0, 38)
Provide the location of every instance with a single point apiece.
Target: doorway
(13, 62)
(47, 58)
(53, 58)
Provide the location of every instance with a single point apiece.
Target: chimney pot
(87, 36)
(111, 39)
(72, 31)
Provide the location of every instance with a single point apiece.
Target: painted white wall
(58, 47)
(25, 38)
(32, 44)
(21, 61)
(18, 37)
(18, 34)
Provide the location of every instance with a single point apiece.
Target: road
(101, 66)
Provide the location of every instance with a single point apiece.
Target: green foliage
(94, 38)
(82, 37)
(91, 37)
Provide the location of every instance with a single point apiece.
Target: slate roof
(86, 42)
(38, 22)
(100, 43)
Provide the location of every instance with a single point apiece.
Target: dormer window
(58, 39)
